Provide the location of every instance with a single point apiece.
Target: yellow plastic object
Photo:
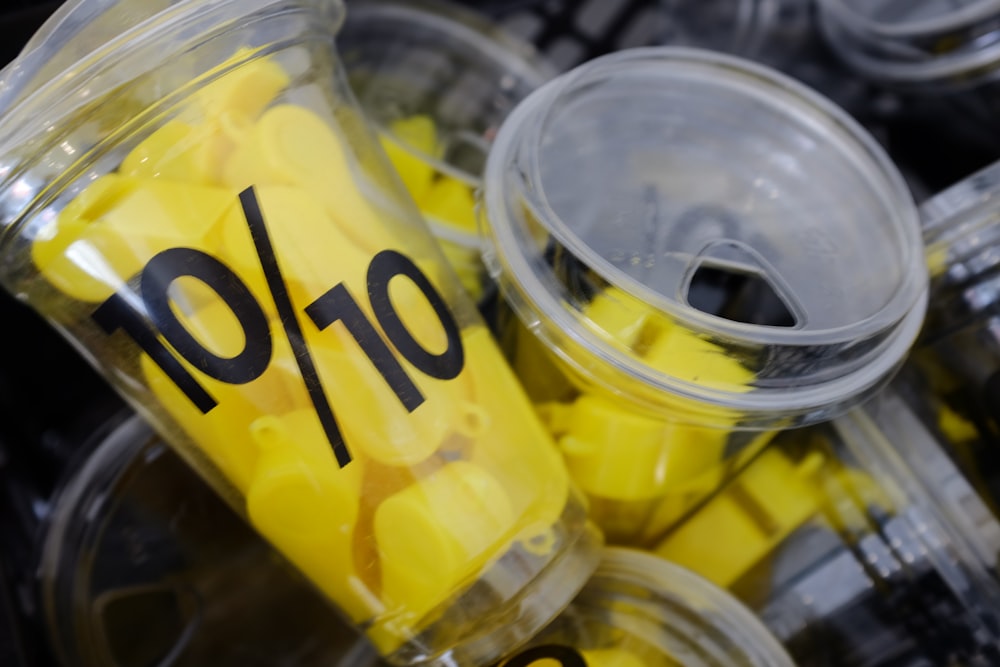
(436, 533)
(411, 144)
(612, 657)
(303, 235)
(308, 506)
(291, 145)
(95, 245)
(616, 452)
(955, 427)
(636, 466)
(741, 525)
(627, 320)
(244, 91)
(534, 472)
(450, 202)
(449, 484)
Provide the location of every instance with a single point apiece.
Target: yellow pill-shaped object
(291, 145)
(614, 452)
(223, 432)
(245, 90)
(684, 354)
(312, 253)
(514, 444)
(373, 418)
(308, 507)
(747, 520)
(411, 143)
(450, 202)
(612, 657)
(626, 319)
(433, 535)
(180, 152)
(114, 231)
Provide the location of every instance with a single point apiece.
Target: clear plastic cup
(438, 79)
(141, 563)
(724, 255)
(190, 194)
(641, 611)
(859, 542)
(959, 349)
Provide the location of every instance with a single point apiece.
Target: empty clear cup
(438, 79)
(724, 255)
(189, 193)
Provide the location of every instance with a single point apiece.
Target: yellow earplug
(612, 657)
(308, 507)
(450, 202)
(745, 521)
(291, 145)
(410, 144)
(98, 244)
(434, 534)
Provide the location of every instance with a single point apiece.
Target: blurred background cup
(437, 79)
(190, 194)
(929, 45)
(725, 256)
(858, 542)
(639, 610)
(141, 563)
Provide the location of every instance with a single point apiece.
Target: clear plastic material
(859, 543)
(142, 564)
(920, 45)
(438, 80)
(724, 255)
(199, 206)
(641, 611)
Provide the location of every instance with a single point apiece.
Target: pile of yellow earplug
(431, 497)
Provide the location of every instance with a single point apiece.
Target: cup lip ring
(933, 70)
(726, 613)
(515, 270)
(857, 22)
(20, 115)
(496, 46)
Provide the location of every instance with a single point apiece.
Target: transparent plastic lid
(896, 19)
(723, 197)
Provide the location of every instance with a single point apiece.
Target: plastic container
(640, 611)
(858, 543)
(928, 45)
(438, 79)
(725, 255)
(142, 564)
(190, 194)
(959, 349)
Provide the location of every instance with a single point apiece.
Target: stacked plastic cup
(190, 194)
(723, 256)
(959, 350)
(859, 542)
(437, 80)
(923, 45)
